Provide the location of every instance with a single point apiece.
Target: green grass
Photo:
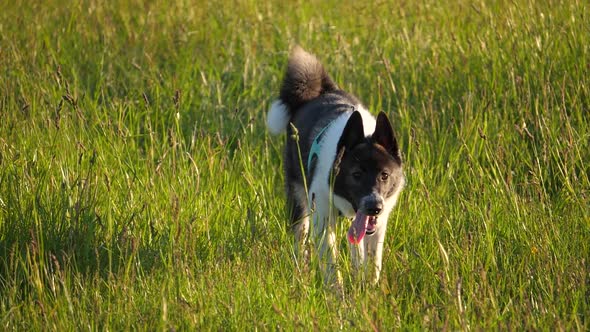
(139, 188)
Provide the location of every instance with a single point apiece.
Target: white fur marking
(327, 153)
(343, 206)
(369, 122)
(278, 117)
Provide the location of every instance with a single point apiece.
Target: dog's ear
(383, 136)
(353, 132)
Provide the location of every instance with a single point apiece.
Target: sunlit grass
(139, 188)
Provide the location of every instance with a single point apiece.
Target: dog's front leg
(374, 253)
(358, 257)
(324, 230)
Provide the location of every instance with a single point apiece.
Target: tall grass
(140, 190)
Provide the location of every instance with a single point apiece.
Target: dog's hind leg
(299, 216)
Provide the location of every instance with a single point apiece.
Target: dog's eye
(384, 176)
(357, 175)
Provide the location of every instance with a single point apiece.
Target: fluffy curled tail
(305, 80)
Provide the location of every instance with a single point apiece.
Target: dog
(338, 161)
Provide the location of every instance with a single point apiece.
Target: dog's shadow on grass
(65, 232)
(31, 257)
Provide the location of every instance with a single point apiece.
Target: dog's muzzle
(371, 225)
(365, 220)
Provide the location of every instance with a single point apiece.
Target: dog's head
(368, 172)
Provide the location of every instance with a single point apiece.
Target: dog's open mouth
(361, 225)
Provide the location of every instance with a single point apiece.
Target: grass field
(139, 188)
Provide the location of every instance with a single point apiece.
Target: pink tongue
(357, 230)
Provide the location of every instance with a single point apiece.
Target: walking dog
(338, 161)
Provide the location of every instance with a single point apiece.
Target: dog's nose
(374, 211)
(372, 205)
(375, 208)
